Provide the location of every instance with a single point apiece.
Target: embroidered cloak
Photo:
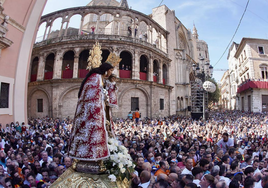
(89, 135)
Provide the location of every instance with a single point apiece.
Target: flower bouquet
(119, 165)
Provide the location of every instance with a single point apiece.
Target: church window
(4, 95)
(261, 50)
(134, 103)
(39, 105)
(161, 104)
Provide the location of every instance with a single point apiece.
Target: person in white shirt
(188, 166)
(45, 158)
(198, 174)
(256, 166)
(225, 143)
(45, 145)
(222, 175)
(145, 177)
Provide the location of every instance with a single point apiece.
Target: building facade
(154, 74)
(248, 63)
(225, 90)
(19, 22)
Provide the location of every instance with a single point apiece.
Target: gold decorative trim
(73, 179)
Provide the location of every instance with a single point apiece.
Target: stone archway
(39, 95)
(124, 100)
(68, 101)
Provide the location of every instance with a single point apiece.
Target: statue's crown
(113, 59)
(94, 59)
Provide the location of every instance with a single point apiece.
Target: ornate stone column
(81, 25)
(60, 32)
(151, 35)
(160, 72)
(65, 33)
(112, 29)
(58, 65)
(97, 25)
(133, 30)
(116, 69)
(160, 40)
(75, 68)
(51, 23)
(44, 37)
(136, 66)
(119, 25)
(55, 100)
(151, 69)
(41, 69)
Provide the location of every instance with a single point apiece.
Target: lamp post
(202, 76)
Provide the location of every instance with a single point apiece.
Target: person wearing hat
(173, 162)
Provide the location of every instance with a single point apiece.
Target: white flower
(121, 148)
(129, 164)
(120, 155)
(120, 165)
(112, 177)
(125, 152)
(116, 143)
(122, 170)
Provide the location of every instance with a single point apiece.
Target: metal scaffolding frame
(197, 98)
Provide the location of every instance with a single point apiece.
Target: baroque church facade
(155, 73)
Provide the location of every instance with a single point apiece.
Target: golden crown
(113, 59)
(94, 59)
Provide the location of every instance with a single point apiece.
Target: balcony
(82, 73)
(124, 73)
(143, 76)
(48, 75)
(67, 74)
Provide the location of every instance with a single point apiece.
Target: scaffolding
(197, 93)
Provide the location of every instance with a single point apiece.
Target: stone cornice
(85, 40)
(79, 81)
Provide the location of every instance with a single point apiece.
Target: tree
(214, 97)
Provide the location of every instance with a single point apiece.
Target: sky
(215, 21)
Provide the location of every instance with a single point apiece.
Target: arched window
(49, 66)
(155, 70)
(164, 74)
(143, 67)
(125, 65)
(34, 69)
(105, 54)
(68, 64)
(82, 64)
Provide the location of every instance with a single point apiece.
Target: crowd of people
(227, 150)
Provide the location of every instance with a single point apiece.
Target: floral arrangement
(119, 165)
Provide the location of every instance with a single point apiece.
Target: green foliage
(214, 97)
